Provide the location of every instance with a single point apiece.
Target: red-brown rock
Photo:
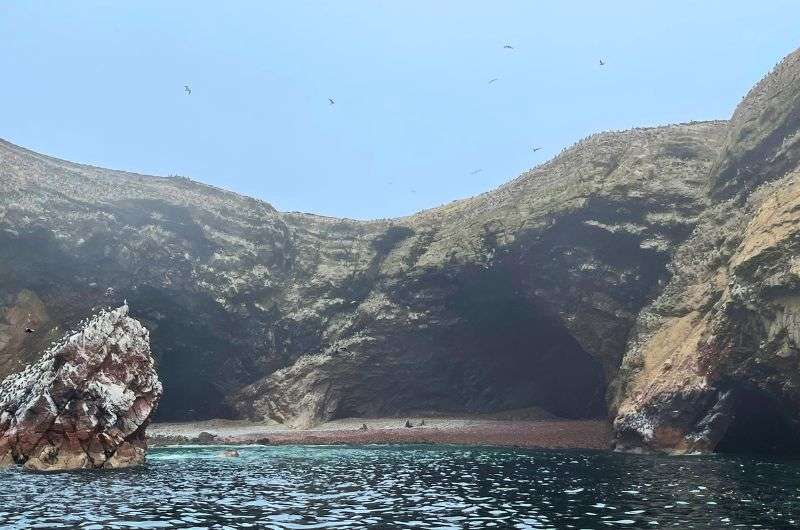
(85, 403)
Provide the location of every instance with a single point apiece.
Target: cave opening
(520, 354)
(759, 425)
(190, 354)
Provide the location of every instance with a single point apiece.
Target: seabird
(536, 149)
(492, 80)
(331, 101)
(29, 330)
(187, 90)
(475, 172)
(602, 62)
(508, 47)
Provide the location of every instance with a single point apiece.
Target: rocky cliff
(712, 364)
(85, 403)
(572, 281)
(519, 297)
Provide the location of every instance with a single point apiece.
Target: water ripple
(307, 487)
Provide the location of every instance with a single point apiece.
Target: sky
(415, 123)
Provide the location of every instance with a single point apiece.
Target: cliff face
(519, 297)
(763, 139)
(85, 403)
(654, 266)
(712, 364)
(193, 260)
(522, 296)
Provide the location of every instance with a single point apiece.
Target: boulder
(86, 402)
(206, 438)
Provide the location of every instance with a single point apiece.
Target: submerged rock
(86, 403)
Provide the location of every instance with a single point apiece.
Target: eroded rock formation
(85, 403)
(518, 297)
(653, 267)
(713, 363)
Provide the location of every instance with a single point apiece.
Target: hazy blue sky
(101, 82)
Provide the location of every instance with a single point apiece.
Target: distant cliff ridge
(570, 288)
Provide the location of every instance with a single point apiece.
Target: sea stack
(86, 403)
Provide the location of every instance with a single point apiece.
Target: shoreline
(533, 434)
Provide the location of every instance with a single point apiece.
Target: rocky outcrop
(85, 403)
(713, 363)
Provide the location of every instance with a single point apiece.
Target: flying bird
(475, 172)
(602, 62)
(492, 80)
(187, 90)
(508, 47)
(536, 149)
(331, 102)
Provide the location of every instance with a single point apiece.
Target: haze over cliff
(635, 249)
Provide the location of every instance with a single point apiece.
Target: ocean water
(298, 487)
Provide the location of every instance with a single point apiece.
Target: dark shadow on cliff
(194, 359)
(759, 425)
(520, 355)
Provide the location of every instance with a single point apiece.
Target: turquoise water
(408, 487)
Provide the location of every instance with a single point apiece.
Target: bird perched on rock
(187, 90)
(30, 330)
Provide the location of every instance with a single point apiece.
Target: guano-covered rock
(85, 403)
